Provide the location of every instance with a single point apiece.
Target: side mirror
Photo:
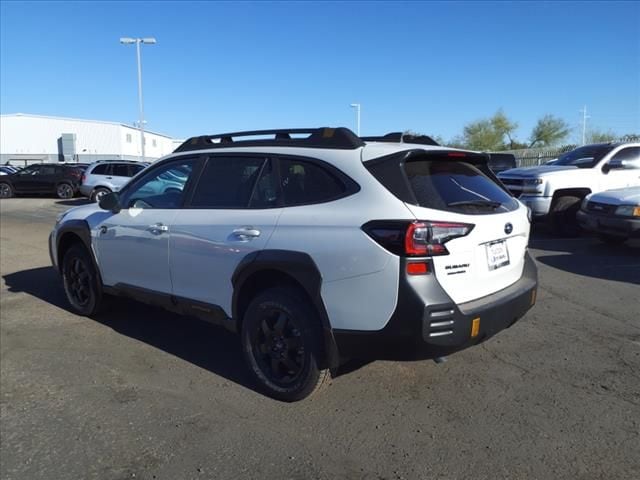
(111, 202)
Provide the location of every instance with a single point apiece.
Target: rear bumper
(428, 324)
(85, 190)
(609, 225)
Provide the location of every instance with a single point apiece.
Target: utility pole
(584, 124)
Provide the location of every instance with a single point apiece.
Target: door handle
(158, 228)
(246, 233)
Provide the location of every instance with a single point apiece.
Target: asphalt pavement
(142, 393)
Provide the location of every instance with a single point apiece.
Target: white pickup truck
(554, 192)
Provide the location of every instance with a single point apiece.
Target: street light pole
(138, 42)
(357, 107)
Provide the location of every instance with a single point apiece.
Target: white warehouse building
(26, 139)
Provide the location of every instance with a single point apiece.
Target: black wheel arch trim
(303, 270)
(79, 228)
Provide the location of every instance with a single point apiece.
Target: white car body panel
(132, 252)
(204, 251)
(464, 274)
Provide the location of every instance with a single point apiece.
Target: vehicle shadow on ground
(76, 202)
(586, 255)
(202, 344)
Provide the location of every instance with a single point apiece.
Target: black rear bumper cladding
(428, 324)
(608, 224)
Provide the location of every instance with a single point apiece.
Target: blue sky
(429, 67)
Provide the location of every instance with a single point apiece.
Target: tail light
(416, 239)
(428, 238)
(84, 177)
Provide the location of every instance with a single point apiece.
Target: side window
(162, 187)
(135, 169)
(30, 170)
(304, 182)
(228, 182)
(120, 170)
(100, 169)
(630, 155)
(48, 170)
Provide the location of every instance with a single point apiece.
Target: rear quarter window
(305, 183)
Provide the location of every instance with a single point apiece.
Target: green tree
(549, 131)
(598, 136)
(495, 133)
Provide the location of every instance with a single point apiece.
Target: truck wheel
(563, 216)
(81, 282)
(281, 340)
(64, 191)
(5, 190)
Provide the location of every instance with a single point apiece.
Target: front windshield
(584, 157)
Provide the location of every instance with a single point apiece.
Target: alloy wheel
(65, 191)
(79, 282)
(5, 190)
(278, 347)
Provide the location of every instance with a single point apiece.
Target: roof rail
(325, 137)
(399, 137)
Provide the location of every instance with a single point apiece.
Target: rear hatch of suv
(475, 232)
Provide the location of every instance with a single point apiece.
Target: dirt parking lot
(140, 393)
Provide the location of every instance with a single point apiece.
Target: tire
(64, 191)
(6, 190)
(99, 193)
(281, 340)
(563, 216)
(612, 239)
(81, 283)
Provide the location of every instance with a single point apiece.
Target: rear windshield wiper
(475, 203)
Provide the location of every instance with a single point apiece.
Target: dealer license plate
(497, 254)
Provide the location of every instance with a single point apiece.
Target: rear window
(456, 186)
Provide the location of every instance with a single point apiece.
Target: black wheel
(64, 191)
(281, 340)
(6, 190)
(612, 239)
(81, 283)
(563, 216)
(98, 193)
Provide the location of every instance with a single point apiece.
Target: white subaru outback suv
(314, 245)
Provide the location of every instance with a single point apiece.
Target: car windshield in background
(456, 186)
(584, 157)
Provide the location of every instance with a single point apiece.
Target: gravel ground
(140, 393)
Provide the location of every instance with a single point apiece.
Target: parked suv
(63, 180)
(106, 176)
(313, 245)
(554, 192)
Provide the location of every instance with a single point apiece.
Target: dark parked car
(499, 162)
(63, 180)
